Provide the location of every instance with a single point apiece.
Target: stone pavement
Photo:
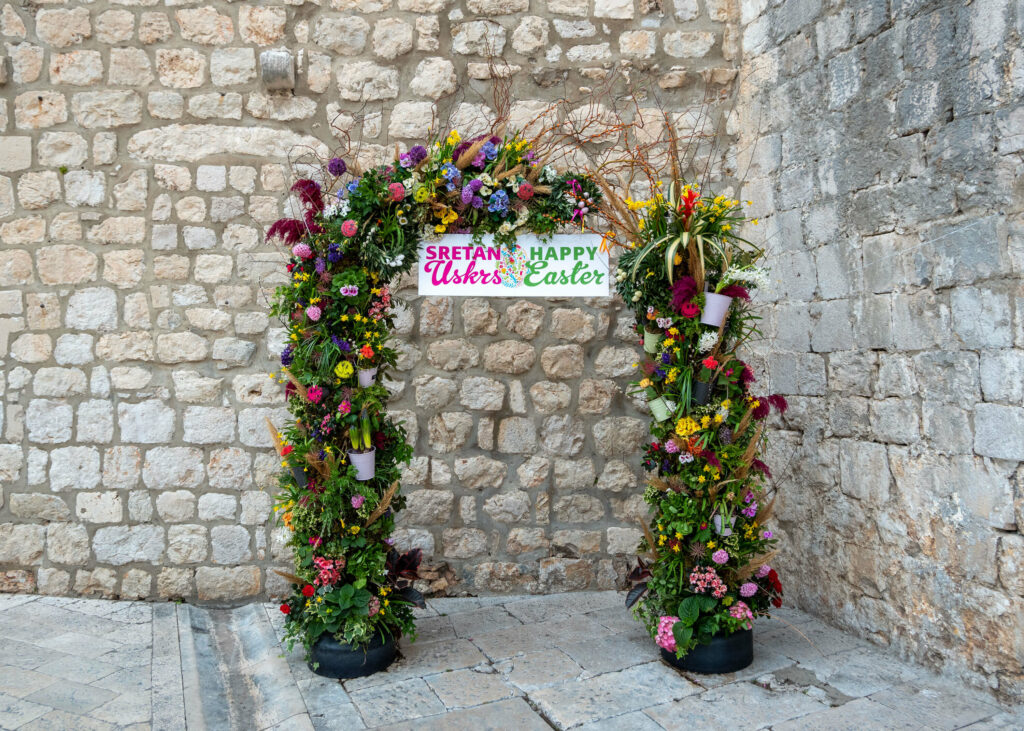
(563, 661)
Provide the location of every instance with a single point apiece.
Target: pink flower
(720, 556)
(302, 251)
(689, 310)
(665, 639)
(315, 541)
(741, 611)
(748, 589)
(313, 313)
(763, 571)
(397, 191)
(357, 501)
(345, 407)
(374, 606)
(349, 228)
(671, 447)
(525, 191)
(314, 394)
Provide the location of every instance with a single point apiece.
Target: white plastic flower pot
(367, 377)
(651, 341)
(662, 408)
(716, 307)
(365, 464)
(724, 532)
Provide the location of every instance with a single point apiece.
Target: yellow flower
(679, 536)
(686, 426)
(726, 404)
(661, 540)
(711, 544)
(669, 342)
(675, 547)
(421, 195)
(645, 383)
(704, 421)
(343, 369)
(454, 137)
(718, 418)
(701, 479)
(439, 228)
(673, 331)
(354, 530)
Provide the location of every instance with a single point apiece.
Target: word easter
(567, 265)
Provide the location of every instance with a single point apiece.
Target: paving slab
(575, 661)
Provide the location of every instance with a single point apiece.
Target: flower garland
(689, 278)
(342, 454)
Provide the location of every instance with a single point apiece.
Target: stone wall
(885, 141)
(141, 159)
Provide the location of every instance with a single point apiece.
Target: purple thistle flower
(467, 195)
(476, 185)
(478, 202)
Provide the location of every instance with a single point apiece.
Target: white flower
(707, 341)
(394, 261)
(505, 228)
(547, 174)
(486, 179)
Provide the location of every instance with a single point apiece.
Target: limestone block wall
(884, 142)
(141, 160)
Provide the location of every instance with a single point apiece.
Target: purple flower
(321, 265)
(767, 534)
(286, 356)
(750, 511)
(357, 501)
(352, 185)
(720, 556)
(333, 254)
(660, 373)
(418, 153)
(490, 150)
(336, 166)
(748, 589)
(343, 345)
(390, 541)
(467, 195)
(763, 571)
(478, 202)
(476, 184)
(666, 358)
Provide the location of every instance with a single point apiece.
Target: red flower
(286, 450)
(308, 590)
(366, 351)
(689, 310)
(710, 363)
(689, 202)
(285, 609)
(525, 191)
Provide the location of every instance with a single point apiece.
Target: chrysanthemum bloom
(397, 191)
(313, 313)
(748, 589)
(302, 251)
(689, 310)
(349, 228)
(357, 501)
(525, 191)
(720, 556)
(344, 369)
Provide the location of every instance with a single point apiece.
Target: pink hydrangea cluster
(704, 579)
(313, 313)
(741, 611)
(666, 639)
(374, 606)
(302, 251)
(720, 556)
(328, 570)
(763, 571)
(748, 589)
(671, 447)
(357, 501)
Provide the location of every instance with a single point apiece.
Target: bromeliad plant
(339, 490)
(689, 277)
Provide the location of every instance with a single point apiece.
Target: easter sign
(566, 265)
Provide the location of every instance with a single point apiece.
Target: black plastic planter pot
(339, 660)
(701, 393)
(725, 654)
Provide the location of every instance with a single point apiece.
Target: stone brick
(517, 435)
(509, 356)
(524, 319)
(63, 28)
(463, 543)
(480, 393)
(119, 545)
(999, 431)
(214, 583)
(549, 397)
(480, 472)
(173, 467)
(434, 78)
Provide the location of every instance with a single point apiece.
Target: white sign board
(567, 265)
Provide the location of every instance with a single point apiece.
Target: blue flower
(333, 253)
(490, 150)
(286, 356)
(353, 185)
(450, 172)
(666, 357)
(499, 202)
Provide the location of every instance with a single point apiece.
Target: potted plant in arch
(704, 571)
(362, 452)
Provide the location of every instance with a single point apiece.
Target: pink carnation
(302, 251)
(720, 556)
(397, 191)
(313, 313)
(665, 639)
(349, 228)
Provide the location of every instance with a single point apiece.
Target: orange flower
(366, 351)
